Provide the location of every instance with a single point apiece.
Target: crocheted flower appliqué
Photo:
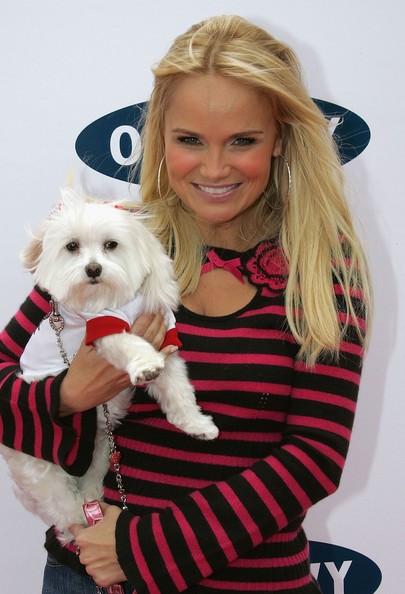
(267, 267)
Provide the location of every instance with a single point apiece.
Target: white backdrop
(65, 64)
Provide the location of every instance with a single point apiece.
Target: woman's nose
(214, 166)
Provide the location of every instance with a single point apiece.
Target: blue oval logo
(111, 145)
(350, 131)
(343, 571)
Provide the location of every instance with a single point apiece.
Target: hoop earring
(289, 174)
(158, 179)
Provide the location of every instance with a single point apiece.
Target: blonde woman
(245, 191)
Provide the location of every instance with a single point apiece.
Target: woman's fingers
(90, 381)
(151, 327)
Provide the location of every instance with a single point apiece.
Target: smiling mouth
(216, 190)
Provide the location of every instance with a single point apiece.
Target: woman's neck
(230, 237)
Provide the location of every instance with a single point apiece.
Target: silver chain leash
(115, 457)
(57, 323)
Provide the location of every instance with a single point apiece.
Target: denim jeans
(60, 579)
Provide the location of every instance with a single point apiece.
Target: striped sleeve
(210, 528)
(29, 420)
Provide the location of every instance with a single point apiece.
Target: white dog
(102, 267)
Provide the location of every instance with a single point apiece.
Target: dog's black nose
(93, 270)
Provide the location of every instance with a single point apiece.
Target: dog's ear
(159, 288)
(31, 254)
(70, 197)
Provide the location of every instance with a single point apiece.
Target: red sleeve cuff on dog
(104, 326)
(172, 338)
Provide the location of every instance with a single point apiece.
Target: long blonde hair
(314, 226)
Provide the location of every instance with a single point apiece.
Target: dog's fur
(80, 233)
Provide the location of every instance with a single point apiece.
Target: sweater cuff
(145, 556)
(77, 433)
(124, 548)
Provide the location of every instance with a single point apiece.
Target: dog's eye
(110, 245)
(72, 246)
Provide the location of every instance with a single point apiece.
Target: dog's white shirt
(42, 357)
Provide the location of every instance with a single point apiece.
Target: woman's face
(220, 137)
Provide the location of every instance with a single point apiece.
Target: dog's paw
(202, 428)
(211, 433)
(145, 370)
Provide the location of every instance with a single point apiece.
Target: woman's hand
(97, 548)
(91, 380)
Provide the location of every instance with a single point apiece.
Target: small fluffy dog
(103, 267)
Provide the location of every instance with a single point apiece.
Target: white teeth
(217, 191)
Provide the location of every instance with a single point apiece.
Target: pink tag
(94, 513)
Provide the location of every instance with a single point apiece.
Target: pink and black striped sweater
(209, 517)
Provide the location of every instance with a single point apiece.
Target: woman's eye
(72, 246)
(110, 245)
(191, 140)
(244, 141)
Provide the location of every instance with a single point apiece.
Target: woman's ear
(277, 147)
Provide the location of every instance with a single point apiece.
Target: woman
(245, 190)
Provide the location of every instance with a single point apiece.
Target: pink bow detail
(214, 261)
